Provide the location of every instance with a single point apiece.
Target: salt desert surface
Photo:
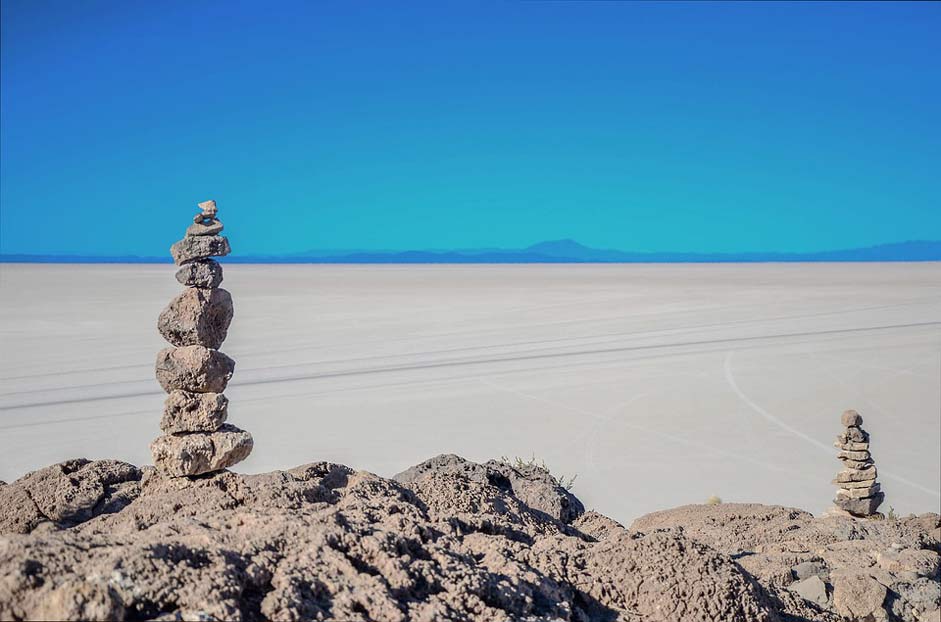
(657, 385)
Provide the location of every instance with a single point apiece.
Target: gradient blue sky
(387, 125)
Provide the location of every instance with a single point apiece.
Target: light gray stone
(809, 569)
(207, 227)
(856, 475)
(859, 493)
(858, 456)
(813, 589)
(850, 446)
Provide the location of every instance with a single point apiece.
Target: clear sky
(402, 125)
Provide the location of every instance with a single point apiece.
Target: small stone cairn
(196, 438)
(858, 493)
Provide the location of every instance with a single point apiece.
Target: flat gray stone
(868, 483)
(813, 589)
(856, 475)
(850, 446)
(809, 569)
(192, 248)
(859, 465)
(182, 455)
(193, 412)
(205, 273)
(858, 493)
(208, 227)
(857, 456)
(197, 317)
(193, 368)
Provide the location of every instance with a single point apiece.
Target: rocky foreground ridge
(446, 540)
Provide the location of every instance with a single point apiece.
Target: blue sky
(381, 125)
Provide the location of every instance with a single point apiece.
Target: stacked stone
(196, 438)
(858, 492)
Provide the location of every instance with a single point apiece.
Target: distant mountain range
(556, 251)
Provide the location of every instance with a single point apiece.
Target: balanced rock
(182, 455)
(197, 317)
(210, 227)
(194, 412)
(854, 435)
(858, 492)
(858, 456)
(193, 368)
(196, 438)
(851, 418)
(193, 247)
(204, 273)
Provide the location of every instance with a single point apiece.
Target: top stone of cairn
(202, 238)
(851, 419)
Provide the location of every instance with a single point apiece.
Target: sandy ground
(656, 385)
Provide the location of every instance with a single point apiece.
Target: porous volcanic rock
(197, 317)
(193, 368)
(781, 546)
(205, 273)
(534, 485)
(322, 541)
(197, 453)
(67, 494)
(193, 412)
(193, 247)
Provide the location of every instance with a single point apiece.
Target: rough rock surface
(211, 227)
(194, 454)
(193, 412)
(67, 494)
(191, 248)
(205, 273)
(324, 542)
(193, 368)
(197, 317)
(533, 485)
(780, 547)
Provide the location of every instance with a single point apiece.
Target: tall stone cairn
(196, 437)
(858, 493)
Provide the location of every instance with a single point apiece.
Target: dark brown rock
(860, 507)
(193, 368)
(203, 273)
(197, 317)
